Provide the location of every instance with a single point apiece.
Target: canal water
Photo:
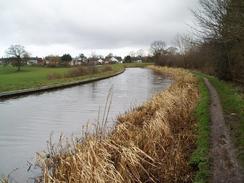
(27, 122)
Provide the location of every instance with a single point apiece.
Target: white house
(115, 60)
(32, 61)
(100, 61)
(77, 61)
(72, 62)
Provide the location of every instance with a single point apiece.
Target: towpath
(225, 166)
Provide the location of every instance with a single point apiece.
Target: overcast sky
(84, 26)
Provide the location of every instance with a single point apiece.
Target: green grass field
(35, 77)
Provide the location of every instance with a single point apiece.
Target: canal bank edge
(16, 93)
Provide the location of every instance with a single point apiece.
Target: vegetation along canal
(27, 122)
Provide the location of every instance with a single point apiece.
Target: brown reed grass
(151, 143)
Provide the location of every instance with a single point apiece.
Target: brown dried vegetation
(151, 143)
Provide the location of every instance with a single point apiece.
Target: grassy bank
(153, 142)
(200, 158)
(35, 77)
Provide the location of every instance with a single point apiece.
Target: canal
(26, 123)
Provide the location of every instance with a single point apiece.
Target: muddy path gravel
(224, 164)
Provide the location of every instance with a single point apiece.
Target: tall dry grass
(151, 143)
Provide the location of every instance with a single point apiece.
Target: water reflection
(27, 122)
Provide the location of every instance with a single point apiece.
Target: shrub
(78, 71)
(53, 76)
(107, 68)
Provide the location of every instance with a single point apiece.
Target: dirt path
(225, 167)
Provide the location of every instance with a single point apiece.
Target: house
(74, 62)
(106, 62)
(31, 61)
(52, 60)
(78, 61)
(100, 61)
(35, 61)
(138, 61)
(40, 61)
(120, 60)
(114, 60)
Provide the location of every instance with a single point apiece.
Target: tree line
(217, 47)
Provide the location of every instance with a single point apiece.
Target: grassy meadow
(35, 77)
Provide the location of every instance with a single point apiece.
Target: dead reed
(151, 143)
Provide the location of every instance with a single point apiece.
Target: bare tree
(140, 53)
(18, 53)
(82, 57)
(132, 54)
(172, 50)
(222, 27)
(210, 17)
(109, 56)
(158, 47)
(184, 43)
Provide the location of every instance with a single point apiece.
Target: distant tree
(158, 47)
(132, 54)
(127, 59)
(82, 57)
(18, 54)
(109, 56)
(119, 58)
(172, 50)
(184, 43)
(66, 58)
(140, 53)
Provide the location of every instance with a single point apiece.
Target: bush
(77, 71)
(107, 68)
(81, 71)
(53, 76)
(92, 69)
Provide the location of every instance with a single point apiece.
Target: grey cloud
(92, 24)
